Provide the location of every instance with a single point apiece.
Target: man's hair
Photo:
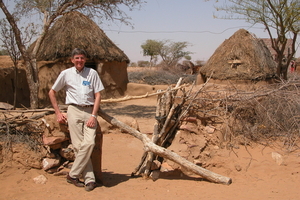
(78, 51)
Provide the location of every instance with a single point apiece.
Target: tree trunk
(15, 84)
(33, 83)
(149, 146)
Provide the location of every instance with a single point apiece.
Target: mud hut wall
(7, 82)
(114, 78)
(48, 73)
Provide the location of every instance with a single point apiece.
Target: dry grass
(157, 76)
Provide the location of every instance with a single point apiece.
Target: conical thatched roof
(241, 57)
(75, 30)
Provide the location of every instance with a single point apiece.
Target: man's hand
(92, 122)
(61, 118)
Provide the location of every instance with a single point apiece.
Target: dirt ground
(254, 173)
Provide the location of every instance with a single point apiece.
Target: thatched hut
(75, 30)
(241, 57)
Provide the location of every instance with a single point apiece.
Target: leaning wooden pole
(165, 153)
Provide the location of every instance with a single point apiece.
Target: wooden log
(126, 98)
(149, 146)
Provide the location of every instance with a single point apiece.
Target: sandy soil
(254, 173)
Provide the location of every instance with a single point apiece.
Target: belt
(82, 106)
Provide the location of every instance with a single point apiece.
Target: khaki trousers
(83, 140)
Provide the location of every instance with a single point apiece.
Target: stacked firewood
(168, 115)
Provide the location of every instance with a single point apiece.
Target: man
(83, 87)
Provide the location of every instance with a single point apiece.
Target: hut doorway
(91, 65)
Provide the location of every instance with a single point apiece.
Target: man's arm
(97, 103)
(61, 118)
(92, 122)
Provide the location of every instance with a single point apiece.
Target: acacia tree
(50, 10)
(151, 48)
(280, 18)
(170, 52)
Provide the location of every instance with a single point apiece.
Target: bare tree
(280, 18)
(9, 44)
(50, 10)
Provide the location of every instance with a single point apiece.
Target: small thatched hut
(241, 57)
(75, 30)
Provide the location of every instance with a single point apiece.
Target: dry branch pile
(266, 114)
(237, 118)
(22, 128)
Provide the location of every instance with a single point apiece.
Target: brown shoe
(90, 186)
(75, 181)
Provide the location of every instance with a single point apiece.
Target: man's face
(79, 61)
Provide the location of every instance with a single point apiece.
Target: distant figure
(293, 66)
(284, 68)
(188, 67)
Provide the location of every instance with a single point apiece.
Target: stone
(165, 167)
(63, 128)
(54, 140)
(50, 155)
(209, 129)
(55, 146)
(277, 157)
(61, 173)
(67, 153)
(154, 175)
(238, 168)
(49, 163)
(197, 162)
(155, 165)
(41, 179)
(189, 127)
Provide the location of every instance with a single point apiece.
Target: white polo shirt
(80, 86)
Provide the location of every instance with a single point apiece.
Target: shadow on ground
(111, 179)
(134, 111)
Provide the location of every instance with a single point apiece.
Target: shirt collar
(78, 72)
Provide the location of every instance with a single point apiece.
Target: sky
(189, 21)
